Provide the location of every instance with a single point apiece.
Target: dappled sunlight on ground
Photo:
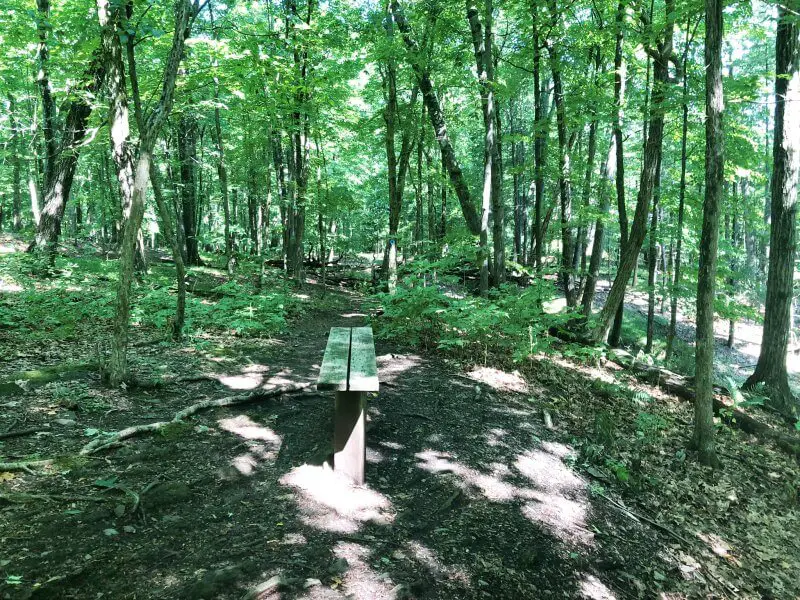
(438, 569)
(500, 380)
(262, 443)
(330, 502)
(392, 365)
(594, 589)
(557, 499)
(354, 315)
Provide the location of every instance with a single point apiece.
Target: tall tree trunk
(539, 143)
(184, 14)
(703, 435)
(606, 171)
(436, 116)
(661, 59)
(652, 262)
(187, 152)
(579, 258)
(16, 157)
(771, 366)
(616, 128)
(676, 282)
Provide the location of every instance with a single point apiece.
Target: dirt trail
(468, 495)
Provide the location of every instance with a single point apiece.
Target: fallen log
(681, 387)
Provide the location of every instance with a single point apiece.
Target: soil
(469, 494)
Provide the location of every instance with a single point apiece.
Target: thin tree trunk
(616, 127)
(662, 57)
(599, 230)
(652, 262)
(436, 116)
(703, 435)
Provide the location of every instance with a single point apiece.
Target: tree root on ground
(106, 441)
(26, 465)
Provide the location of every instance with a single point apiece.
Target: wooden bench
(349, 368)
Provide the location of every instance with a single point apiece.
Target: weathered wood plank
(333, 373)
(363, 366)
(349, 436)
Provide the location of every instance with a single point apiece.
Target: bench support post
(349, 437)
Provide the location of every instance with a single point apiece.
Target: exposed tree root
(106, 441)
(26, 465)
(680, 386)
(20, 433)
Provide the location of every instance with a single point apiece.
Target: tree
(771, 366)
(662, 55)
(703, 436)
(134, 171)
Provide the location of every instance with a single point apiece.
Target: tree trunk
(676, 282)
(16, 157)
(540, 133)
(771, 366)
(184, 13)
(187, 153)
(436, 116)
(647, 182)
(652, 262)
(703, 436)
(616, 127)
(599, 230)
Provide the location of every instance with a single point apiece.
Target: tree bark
(703, 435)
(661, 59)
(436, 116)
(771, 366)
(184, 13)
(676, 282)
(599, 230)
(616, 128)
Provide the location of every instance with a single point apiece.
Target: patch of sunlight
(7, 249)
(244, 381)
(490, 485)
(374, 456)
(294, 539)
(500, 380)
(262, 443)
(494, 437)
(438, 569)
(392, 445)
(245, 427)
(587, 370)
(302, 296)
(556, 305)
(281, 378)
(718, 546)
(361, 580)
(392, 365)
(352, 315)
(557, 499)
(560, 501)
(74, 288)
(330, 502)
(7, 285)
(594, 589)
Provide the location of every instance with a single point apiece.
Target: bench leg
(349, 436)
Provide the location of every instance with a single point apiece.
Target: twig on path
(26, 465)
(20, 433)
(104, 442)
(640, 517)
(417, 415)
(22, 498)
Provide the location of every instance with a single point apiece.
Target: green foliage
(509, 321)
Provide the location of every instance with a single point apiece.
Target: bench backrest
(349, 363)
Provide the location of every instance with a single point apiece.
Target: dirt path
(469, 495)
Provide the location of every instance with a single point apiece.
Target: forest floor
(471, 492)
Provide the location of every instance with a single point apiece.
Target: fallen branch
(26, 465)
(20, 433)
(680, 386)
(103, 442)
(22, 498)
(639, 517)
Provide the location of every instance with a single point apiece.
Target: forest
(569, 224)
